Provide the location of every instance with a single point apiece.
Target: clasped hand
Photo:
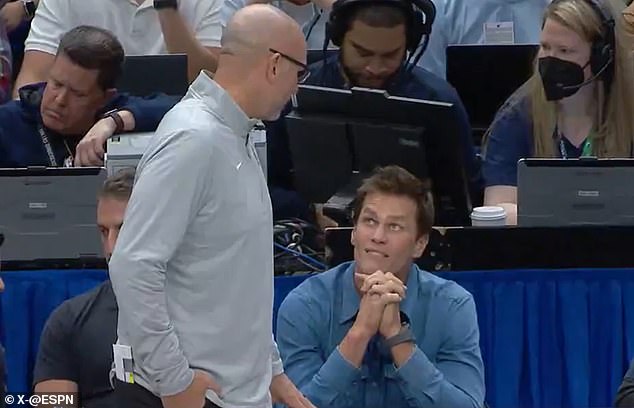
(379, 311)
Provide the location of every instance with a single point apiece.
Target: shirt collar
(221, 103)
(410, 303)
(350, 296)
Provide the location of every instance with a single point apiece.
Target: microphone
(584, 83)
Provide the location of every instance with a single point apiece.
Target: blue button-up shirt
(445, 369)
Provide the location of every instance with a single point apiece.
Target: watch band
(403, 336)
(118, 120)
(166, 4)
(29, 8)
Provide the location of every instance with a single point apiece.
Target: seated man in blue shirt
(380, 332)
(69, 118)
(376, 39)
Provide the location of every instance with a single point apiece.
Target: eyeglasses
(303, 73)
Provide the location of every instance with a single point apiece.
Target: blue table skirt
(549, 338)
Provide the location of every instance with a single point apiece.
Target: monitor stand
(339, 206)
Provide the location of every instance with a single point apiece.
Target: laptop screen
(48, 216)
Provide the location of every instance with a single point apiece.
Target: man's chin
(368, 267)
(53, 124)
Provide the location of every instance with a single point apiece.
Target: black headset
(420, 15)
(603, 49)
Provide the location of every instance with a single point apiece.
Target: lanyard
(47, 145)
(586, 150)
(68, 162)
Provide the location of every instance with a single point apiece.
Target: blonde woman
(578, 103)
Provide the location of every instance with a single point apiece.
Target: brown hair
(94, 48)
(395, 180)
(119, 185)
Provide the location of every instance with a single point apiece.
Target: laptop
(486, 75)
(48, 218)
(125, 150)
(147, 74)
(587, 191)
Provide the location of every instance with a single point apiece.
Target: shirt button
(374, 384)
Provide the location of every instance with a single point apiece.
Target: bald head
(259, 27)
(262, 56)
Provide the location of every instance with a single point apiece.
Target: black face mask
(561, 78)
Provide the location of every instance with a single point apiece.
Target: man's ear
(271, 66)
(421, 244)
(352, 237)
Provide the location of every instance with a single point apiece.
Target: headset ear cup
(330, 32)
(416, 31)
(333, 23)
(601, 55)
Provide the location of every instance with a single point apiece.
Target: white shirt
(311, 18)
(136, 27)
(193, 266)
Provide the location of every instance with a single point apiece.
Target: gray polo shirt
(193, 266)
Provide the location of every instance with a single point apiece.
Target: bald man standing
(193, 266)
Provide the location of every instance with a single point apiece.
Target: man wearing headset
(379, 44)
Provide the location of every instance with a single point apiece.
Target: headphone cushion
(342, 9)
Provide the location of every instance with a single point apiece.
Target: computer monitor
(147, 74)
(486, 75)
(560, 192)
(336, 137)
(48, 216)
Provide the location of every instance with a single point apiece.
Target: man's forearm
(353, 346)
(401, 353)
(128, 120)
(180, 39)
(34, 69)
(426, 386)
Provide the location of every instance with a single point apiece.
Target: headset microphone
(589, 80)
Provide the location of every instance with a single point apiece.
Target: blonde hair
(614, 117)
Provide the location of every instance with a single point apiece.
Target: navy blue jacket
(416, 84)
(21, 144)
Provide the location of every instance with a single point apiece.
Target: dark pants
(135, 396)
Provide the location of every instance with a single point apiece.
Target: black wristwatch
(405, 335)
(165, 4)
(114, 115)
(29, 8)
